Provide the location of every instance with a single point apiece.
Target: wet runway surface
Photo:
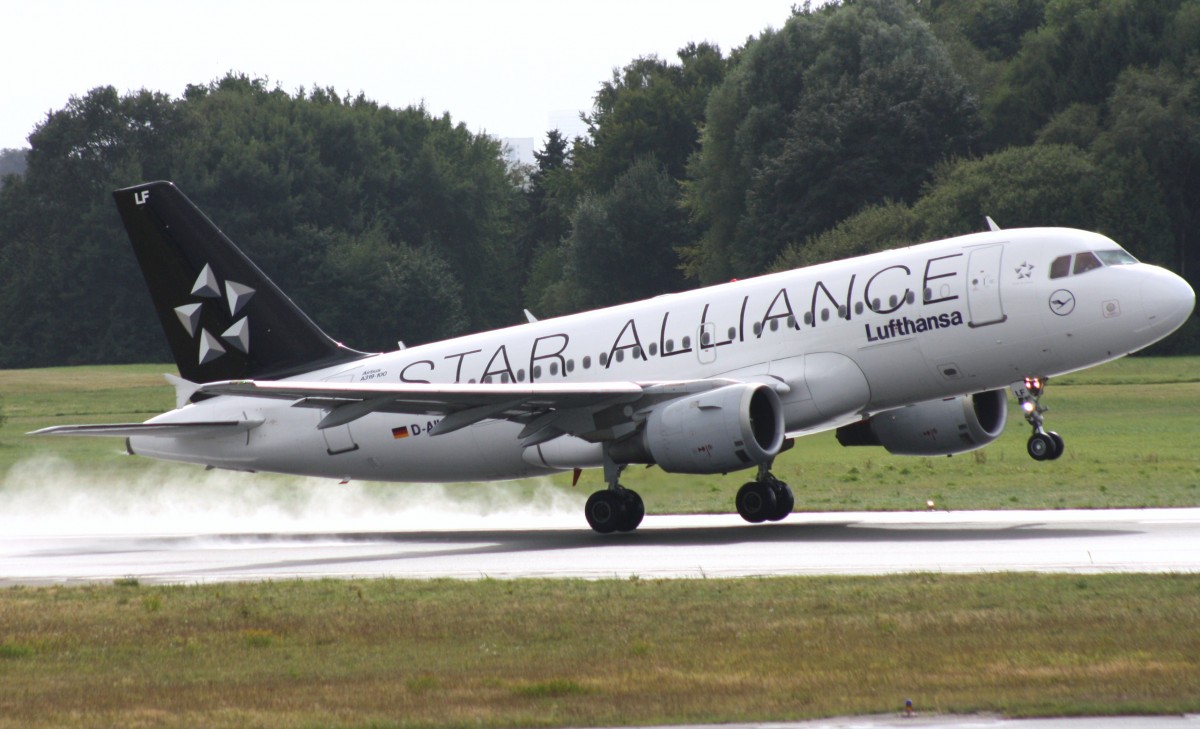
(559, 545)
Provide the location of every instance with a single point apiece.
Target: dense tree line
(853, 127)
(12, 162)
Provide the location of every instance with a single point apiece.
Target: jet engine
(722, 430)
(934, 428)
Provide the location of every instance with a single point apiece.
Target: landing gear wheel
(756, 502)
(1058, 444)
(605, 511)
(635, 510)
(614, 510)
(1044, 446)
(785, 501)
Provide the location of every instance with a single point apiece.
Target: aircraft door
(983, 289)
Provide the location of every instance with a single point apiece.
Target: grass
(573, 653)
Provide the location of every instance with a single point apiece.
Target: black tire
(1059, 446)
(605, 511)
(785, 501)
(756, 502)
(1040, 447)
(635, 511)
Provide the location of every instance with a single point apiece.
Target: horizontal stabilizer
(163, 430)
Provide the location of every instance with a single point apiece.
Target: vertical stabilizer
(223, 318)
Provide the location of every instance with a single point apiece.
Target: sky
(510, 68)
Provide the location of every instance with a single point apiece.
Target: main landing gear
(615, 509)
(618, 509)
(1043, 445)
(765, 499)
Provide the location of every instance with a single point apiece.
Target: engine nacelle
(935, 428)
(722, 430)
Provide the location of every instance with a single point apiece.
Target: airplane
(912, 349)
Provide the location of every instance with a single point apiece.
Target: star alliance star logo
(236, 296)
(1025, 270)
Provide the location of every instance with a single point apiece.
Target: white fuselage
(847, 339)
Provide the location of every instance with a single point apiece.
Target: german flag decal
(401, 432)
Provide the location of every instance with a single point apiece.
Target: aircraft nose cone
(1168, 300)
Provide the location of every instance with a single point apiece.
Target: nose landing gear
(1043, 445)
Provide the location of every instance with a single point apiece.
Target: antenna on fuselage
(991, 223)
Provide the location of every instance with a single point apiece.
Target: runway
(559, 545)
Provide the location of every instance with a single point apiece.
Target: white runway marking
(1156, 540)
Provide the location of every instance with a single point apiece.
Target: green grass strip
(574, 653)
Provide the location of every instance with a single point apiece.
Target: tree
(845, 106)
(1154, 135)
(549, 197)
(377, 290)
(1077, 55)
(622, 243)
(875, 228)
(12, 162)
(290, 177)
(650, 108)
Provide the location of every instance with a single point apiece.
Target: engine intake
(935, 428)
(722, 430)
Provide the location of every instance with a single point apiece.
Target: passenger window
(1085, 262)
(1061, 267)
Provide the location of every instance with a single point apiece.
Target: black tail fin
(224, 319)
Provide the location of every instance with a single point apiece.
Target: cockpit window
(1116, 258)
(1089, 261)
(1085, 262)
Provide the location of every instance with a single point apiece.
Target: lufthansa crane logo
(1062, 302)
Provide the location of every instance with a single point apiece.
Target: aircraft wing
(593, 410)
(166, 430)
